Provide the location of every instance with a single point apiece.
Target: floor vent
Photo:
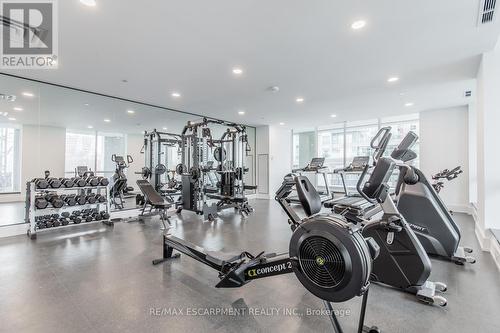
(487, 11)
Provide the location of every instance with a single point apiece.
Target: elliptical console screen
(404, 147)
(359, 163)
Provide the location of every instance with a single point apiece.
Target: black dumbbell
(64, 221)
(104, 215)
(91, 198)
(41, 203)
(56, 223)
(96, 216)
(81, 199)
(67, 182)
(41, 183)
(103, 181)
(69, 200)
(48, 223)
(54, 200)
(76, 219)
(54, 182)
(79, 182)
(41, 225)
(65, 214)
(100, 198)
(87, 218)
(92, 181)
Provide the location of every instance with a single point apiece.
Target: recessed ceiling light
(333, 115)
(282, 124)
(356, 25)
(12, 119)
(165, 128)
(89, 3)
(299, 99)
(107, 120)
(28, 94)
(90, 127)
(393, 79)
(409, 104)
(131, 111)
(176, 95)
(241, 113)
(237, 71)
(17, 108)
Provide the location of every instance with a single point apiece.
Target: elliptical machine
(402, 262)
(429, 217)
(119, 188)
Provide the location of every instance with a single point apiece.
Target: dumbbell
(41, 183)
(103, 181)
(41, 203)
(96, 216)
(104, 215)
(54, 200)
(49, 224)
(100, 198)
(65, 214)
(54, 182)
(41, 225)
(79, 182)
(64, 221)
(81, 199)
(56, 223)
(67, 182)
(76, 219)
(91, 198)
(69, 200)
(92, 181)
(87, 218)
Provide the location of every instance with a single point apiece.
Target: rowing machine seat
(308, 196)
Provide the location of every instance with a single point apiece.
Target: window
(94, 150)
(10, 157)
(80, 150)
(107, 145)
(340, 143)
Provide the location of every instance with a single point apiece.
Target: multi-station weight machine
(210, 175)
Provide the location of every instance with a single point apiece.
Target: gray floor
(100, 279)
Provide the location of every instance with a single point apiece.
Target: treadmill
(316, 166)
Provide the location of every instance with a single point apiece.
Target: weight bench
(155, 200)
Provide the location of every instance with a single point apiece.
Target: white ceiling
(307, 48)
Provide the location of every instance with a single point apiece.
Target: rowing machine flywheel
(333, 260)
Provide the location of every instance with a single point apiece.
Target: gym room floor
(100, 279)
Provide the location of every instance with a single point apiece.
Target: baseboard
(495, 250)
(460, 208)
(484, 237)
(13, 230)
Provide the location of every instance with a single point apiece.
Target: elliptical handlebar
(380, 146)
(360, 181)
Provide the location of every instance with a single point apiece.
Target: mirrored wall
(47, 127)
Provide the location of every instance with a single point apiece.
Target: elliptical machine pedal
(426, 293)
(460, 257)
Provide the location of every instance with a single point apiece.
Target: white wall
(280, 156)
(42, 148)
(444, 145)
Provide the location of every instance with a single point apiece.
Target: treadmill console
(358, 163)
(315, 164)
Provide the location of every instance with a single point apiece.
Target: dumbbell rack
(32, 211)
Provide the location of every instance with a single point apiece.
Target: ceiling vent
(8, 98)
(486, 11)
